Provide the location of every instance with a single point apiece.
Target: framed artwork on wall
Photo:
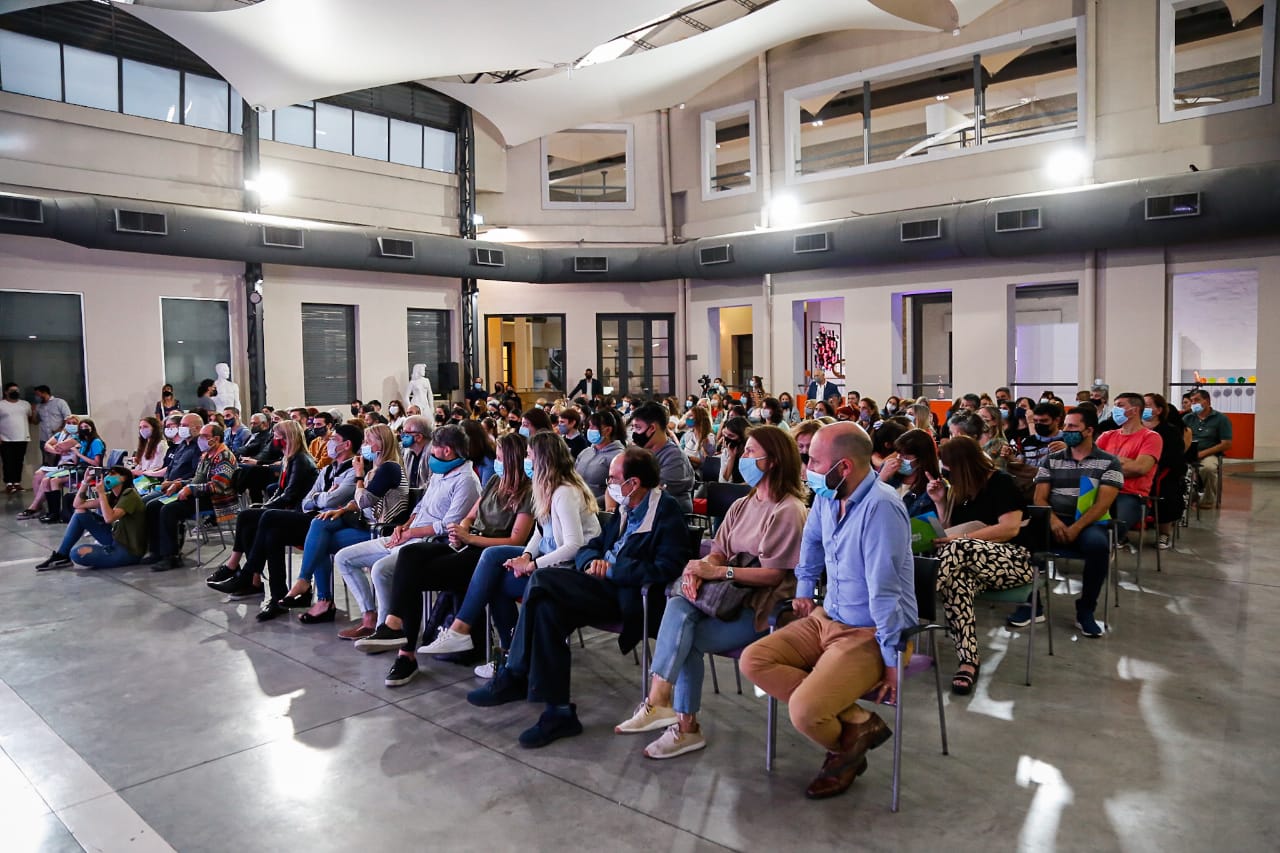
(826, 349)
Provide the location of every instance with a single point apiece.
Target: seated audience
(993, 442)
(296, 479)
(112, 513)
(415, 446)
(1138, 448)
(830, 656)
(644, 544)
(481, 450)
(259, 437)
(698, 441)
(756, 546)
(281, 529)
(450, 494)
(570, 428)
(321, 430)
(1175, 442)
(211, 481)
(882, 441)
(1212, 436)
(868, 414)
(910, 469)
(235, 434)
(803, 434)
(76, 447)
(1074, 527)
(790, 414)
(977, 495)
(733, 439)
(1046, 423)
(151, 455)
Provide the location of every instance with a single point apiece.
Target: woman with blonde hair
(565, 511)
(297, 475)
(756, 548)
(381, 496)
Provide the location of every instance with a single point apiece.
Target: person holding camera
(111, 511)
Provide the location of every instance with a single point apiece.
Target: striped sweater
(212, 481)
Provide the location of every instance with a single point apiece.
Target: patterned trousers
(968, 566)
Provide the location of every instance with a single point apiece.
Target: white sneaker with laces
(1163, 543)
(675, 742)
(485, 670)
(646, 718)
(447, 642)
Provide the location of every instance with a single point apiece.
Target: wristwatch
(728, 573)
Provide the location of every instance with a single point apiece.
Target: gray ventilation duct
(1196, 207)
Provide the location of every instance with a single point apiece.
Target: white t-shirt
(15, 423)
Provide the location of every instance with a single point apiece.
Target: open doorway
(526, 351)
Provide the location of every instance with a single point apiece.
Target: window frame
(883, 73)
(1166, 66)
(624, 361)
(709, 120)
(433, 371)
(628, 168)
(231, 340)
(353, 347)
(84, 338)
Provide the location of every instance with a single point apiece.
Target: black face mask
(804, 458)
(640, 439)
(13, 394)
(355, 411)
(1044, 430)
(514, 424)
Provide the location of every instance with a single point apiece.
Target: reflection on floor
(141, 711)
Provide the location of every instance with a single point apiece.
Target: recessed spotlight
(942, 97)
(817, 122)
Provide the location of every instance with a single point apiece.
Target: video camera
(705, 381)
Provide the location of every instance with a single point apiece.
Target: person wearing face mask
(732, 439)
(281, 529)
(450, 494)
(502, 517)
(820, 389)
(534, 420)
(79, 451)
(481, 450)
(167, 404)
(149, 458)
(476, 393)
(909, 469)
(892, 407)
(754, 398)
(1212, 437)
(569, 426)
(319, 444)
(415, 444)
(1046, 437)
(1099, 395)
(51, 413)
(113, 514)
(790, 416)
(822, 663)
(588, 386)
(215, 468)
(58, 448)
(649, 430)
(297, 476)
(604, 427)
(381, 497)
(260, 461)
(771, 413)
(236, 433)
(868, 414)
(803, 434)
(698, 442)
(396, 415)
(16, 417)
(565, 513)
(882, 443)
(756, 546)
(1059, 482)
(644, 543)
(1138, 448)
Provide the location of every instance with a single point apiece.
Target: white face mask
(170, 432)
(184, 432)
(615, 492)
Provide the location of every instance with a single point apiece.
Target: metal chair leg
(770, 733)
(711, 664)
(1031, 634)
(737, 675)
(897, 738)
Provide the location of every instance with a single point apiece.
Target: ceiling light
(783, 210)
(680, 107)
(1066, 166)
(31, 337)
(477, 219)
(269, 186)
(817, 122)
(942, 97)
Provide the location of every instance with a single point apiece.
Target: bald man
(824, 661)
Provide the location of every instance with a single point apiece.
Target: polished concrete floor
(139, 711)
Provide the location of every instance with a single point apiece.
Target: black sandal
(962, 682)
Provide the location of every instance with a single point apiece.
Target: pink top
(771, 533)
(1144, 442)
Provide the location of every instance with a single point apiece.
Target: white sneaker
(675, 742)
(646, 718)
(485, 670)
(1163, 543)
(447, 642)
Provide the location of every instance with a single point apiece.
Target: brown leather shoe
(355, 632)
(836, 775)
(859, 738)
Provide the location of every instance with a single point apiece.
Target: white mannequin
(418, 393)
(225, 392)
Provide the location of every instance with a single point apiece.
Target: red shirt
(1144, 442)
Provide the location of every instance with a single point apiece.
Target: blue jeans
(1128, 510)
(1093, 545)
(107, 554)
(494, 585)
(686, 635)
(326, 537)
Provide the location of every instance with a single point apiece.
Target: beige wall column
(1132, 322)
(979, 336)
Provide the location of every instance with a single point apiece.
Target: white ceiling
(281, 52)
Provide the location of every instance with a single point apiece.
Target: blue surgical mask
(905, 468)
(498, 468)
(111, 481)
(1072, 437)
(367, 452)
(528, 467)
(1148, 413)
(1119, 415)
(525, 431)
(331, 448)
(1197, 408)
(749, 468)
(406, 441)
(818, 483)
(688, 404)
(593, 436)
(439, 466)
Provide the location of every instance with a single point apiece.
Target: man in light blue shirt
(824, 661)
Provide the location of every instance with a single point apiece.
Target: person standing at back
(16, 417)
(51, 413)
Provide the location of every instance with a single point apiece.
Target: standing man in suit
(820, 388)
(587, 386)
